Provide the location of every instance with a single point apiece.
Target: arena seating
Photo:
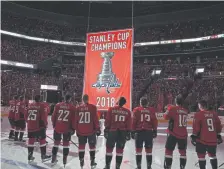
(177, 30)
(162, 91)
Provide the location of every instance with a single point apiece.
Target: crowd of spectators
(172, 81)
(181, 30)
(179, 78)
(199, 47)
(177, 30)
(177, 74)
(28, 51)
(25, 82)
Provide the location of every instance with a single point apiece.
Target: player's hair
(85, 98)
(122, 101)
(21, 98)
(67, 97)
(37, 98)
(179, 100)
(203, 104)
(15, 97)
(144, 101)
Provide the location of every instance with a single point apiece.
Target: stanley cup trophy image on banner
(107, 78)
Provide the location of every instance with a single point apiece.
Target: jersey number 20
(84, 117)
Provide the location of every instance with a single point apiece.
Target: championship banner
(108, 67)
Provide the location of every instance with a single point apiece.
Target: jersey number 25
(32, 115)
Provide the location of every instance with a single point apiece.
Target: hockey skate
(54, 160)
(21, 140)
(64, 160)
(81, 163)
(149, 166)
(106, 167)
(30, 158)
(138, 167)
(118, 166)
(11, 135)
(45, 158)
(93, 164)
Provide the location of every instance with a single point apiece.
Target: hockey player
(177, 133)
(206, 134)
(11, 116)
(36, 126)
(62, 118)
(20, 122)
(144, 128)
(87, 127)
(117, 131)
(46, 110)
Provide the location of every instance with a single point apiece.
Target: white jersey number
(182, 120)
(145, 117)
(84, 117)
(119, 118)
(63, 115)
(210, 125)
(32, 115)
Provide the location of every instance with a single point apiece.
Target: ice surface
(14, 155)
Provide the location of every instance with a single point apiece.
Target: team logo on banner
(108, 67)
(107, 79)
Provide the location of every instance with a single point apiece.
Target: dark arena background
(178, 49)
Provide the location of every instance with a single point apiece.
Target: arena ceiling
(114, 8)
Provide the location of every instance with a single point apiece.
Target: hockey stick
(61, 143)
(53, 140)
(74, 143)
(221, 165)
(196, 164)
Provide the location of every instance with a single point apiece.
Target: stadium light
(156, 72)
(199, 70)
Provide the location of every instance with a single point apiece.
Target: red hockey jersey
(86, 120)
(46, 107)
(118, 118)
(20, 110)
(177, 117)
(12, 110)
(144, 118)
(63, 117)
(36, 117)
(206, 126)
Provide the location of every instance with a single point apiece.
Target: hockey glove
(154, 133)
(219, 139)
(98, 132)
(193, 139)
(106, 133)
(128, 136)
(133, 135)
